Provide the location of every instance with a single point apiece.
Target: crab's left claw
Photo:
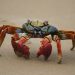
(2, 36)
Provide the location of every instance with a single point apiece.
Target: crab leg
(58, 42)
(2, 35)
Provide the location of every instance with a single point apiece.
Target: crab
(37, 29)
